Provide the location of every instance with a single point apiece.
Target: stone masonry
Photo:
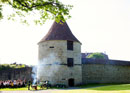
(14, 74)
(105, 71)
(58, 62)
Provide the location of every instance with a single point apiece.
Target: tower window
(69, 45)
(70, 62)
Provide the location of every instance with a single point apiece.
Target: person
(15, 83)
(47, 84)
(11, 84)
(2, 85)
(29, 84)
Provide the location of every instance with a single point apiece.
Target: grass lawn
(17, 89)
(91, 88)
(109, 88)
(13, 89)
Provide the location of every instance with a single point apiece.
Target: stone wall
(105, 71)
(14, 74)
(93, 71)
(53, 56)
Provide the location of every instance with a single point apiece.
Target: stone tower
(60, 57)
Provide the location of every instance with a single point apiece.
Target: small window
(70, 62)
(69, 45)
(51, 46)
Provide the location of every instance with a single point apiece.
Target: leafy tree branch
(47, 9)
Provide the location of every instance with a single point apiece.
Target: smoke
(46, 68)
(34, 74)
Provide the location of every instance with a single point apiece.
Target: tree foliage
(1, 16)
(46, 9)
(96, 56)
(11, 66)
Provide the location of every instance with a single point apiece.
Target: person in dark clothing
(2, 85)
(47, 84)
(29, 84)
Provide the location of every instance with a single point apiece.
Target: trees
(96, 56)
(11, 66)
(45, 9)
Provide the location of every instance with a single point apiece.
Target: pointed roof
(59, 31)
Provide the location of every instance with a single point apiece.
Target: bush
(96, 56)
(11, 66)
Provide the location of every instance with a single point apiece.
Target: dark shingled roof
(59, 32)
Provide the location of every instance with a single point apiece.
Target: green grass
(116, 87)
(13, 89)
(24, 89)
(95, 85)
(92, 85)
(90, 88)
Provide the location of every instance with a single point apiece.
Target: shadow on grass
(110, 87)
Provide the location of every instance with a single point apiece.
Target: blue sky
(101, 26)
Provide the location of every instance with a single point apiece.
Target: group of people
(12, 83)
(43, 84)
(21, 83)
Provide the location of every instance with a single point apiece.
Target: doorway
(71, 82)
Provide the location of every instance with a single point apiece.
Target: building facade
(60, 56)
(61, 63)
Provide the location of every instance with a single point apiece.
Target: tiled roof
(59, 32)
(83, 55)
